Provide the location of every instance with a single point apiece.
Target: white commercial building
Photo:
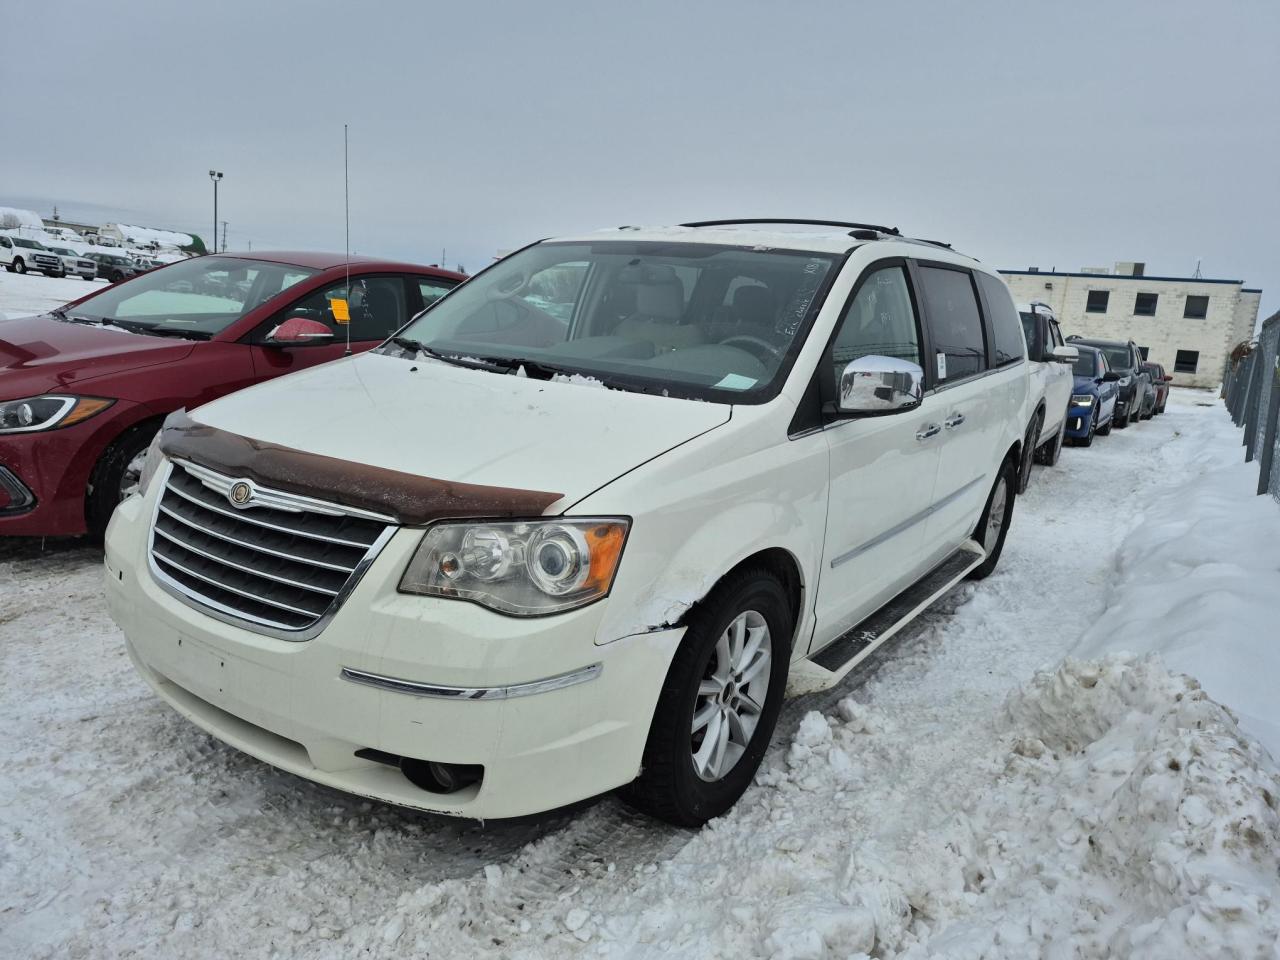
(1188, 325)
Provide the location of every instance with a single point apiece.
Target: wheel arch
(777, 560)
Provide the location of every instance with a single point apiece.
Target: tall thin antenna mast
(346, 204)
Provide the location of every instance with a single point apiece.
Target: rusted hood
(423, 440)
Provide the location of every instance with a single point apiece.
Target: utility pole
(215, 176)
(224, 236)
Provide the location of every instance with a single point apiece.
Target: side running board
(833, 662)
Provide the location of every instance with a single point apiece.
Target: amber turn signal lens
(85, 408)
(605, 541)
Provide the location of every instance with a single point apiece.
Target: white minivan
(585, 521)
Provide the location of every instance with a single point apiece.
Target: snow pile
(1199, 582)
(12, 218)
(1113, 809)
(165, 238)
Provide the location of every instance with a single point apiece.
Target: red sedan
(83, 389)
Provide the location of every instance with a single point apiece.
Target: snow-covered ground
(22, 294)
(968, 795)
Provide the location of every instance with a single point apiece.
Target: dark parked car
(1159, 389)
(84, 388)
(114, 267)
(1124, 359)
(1093, 396)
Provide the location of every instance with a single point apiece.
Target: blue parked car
(1093, 397)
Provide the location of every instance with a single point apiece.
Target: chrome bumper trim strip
(441, 692)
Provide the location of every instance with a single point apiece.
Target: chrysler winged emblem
(240, 493)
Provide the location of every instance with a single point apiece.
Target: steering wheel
(758, 347)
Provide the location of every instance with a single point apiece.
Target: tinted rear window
(958, 340)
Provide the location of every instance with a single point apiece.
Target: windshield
(1086, 365)
(686, 319)
(61, 251)
(201, 296)
(29, 244)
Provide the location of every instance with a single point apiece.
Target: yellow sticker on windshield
(340, 311)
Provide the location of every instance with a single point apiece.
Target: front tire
(993, 525)
(19, 266)
(1087, 439)
(114, 476)
(720, 702)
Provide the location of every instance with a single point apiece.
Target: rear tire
(105, 483)
(990, 535)
(674, 784)
(1048, 454)
(1023, 478)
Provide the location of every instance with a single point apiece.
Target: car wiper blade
(416, 346)
(158, 331)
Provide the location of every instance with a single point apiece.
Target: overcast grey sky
(1065, 134)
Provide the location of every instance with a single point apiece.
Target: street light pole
(215, 176)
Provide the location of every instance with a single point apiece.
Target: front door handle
(927, 431)
(954, 420)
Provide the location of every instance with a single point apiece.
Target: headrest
(755, 305)
(661, 301)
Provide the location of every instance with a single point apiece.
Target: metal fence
(1252, 393)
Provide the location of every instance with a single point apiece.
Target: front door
(377, 306)
(882, 467)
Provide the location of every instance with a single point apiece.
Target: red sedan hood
(42, 354)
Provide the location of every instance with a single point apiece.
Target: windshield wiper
(159, 331)
(541, 370)
(61, 314)
(416, 346)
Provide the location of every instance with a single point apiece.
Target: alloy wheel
(132, 476)
(731, 696)
(995, 516)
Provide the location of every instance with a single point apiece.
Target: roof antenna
(1196, 275)
(346, 255)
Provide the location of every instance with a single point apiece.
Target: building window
(1186, 361)
(1097, 301)
(1143, 351)
(1197, 308)
(1145, 305)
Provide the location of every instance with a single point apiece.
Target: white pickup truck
(1051, 384)
(19, 254)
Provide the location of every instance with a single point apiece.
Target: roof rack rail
(892, 231)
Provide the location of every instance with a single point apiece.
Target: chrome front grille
(284, 563)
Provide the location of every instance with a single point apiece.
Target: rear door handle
(954, 420)
(927, 431)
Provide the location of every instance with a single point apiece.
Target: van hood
(432, 419)
(42, 354)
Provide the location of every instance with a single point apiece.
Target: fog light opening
(438, 777)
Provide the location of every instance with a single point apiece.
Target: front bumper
(55, 466)
(1078, 419)
(288, 703)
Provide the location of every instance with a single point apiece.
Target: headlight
(524, 568)
(1081, 400)
(45, 413)
(150, 465)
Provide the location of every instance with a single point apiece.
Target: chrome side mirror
(875, 384)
